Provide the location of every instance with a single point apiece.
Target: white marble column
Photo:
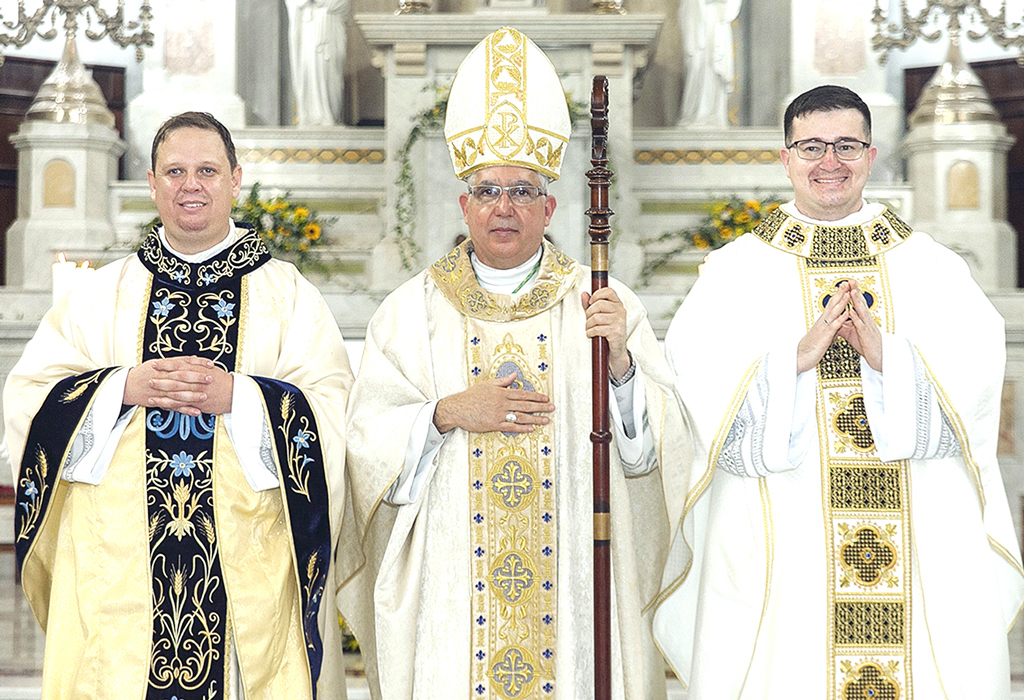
(959, 176)
(191, 66)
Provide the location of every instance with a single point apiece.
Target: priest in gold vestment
(469, 426)
(177, 430)
(846, 532)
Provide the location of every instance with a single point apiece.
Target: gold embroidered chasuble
(830, 568)
(491, 564)
(88, 571)
(512, 482)
(865, 502)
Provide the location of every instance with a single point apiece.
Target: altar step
(357, 690)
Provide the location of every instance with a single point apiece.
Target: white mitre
(507, 107)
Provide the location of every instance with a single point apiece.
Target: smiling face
(828, 189)
(505, 235)
(194, 188)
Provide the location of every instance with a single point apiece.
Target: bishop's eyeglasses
(814, 149)
(521, 195)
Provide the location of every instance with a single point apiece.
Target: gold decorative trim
(866, 502)
(454, 276)
(961, 432)
(705, 481)
(505, 135)
(319, 156)
(513, 524)
(705, 156)
(829, 245)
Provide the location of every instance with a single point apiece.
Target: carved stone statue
(316, 52)
(707, 60)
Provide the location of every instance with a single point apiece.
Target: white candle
(67, 275)
(63, 272)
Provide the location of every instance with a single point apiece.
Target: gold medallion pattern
(513, 527)
(871, 681)
(865, 500)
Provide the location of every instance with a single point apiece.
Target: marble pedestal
(64, 176)
(959, 175)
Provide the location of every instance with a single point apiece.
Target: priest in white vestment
(176, 426)
(846, 532)
(469, 450)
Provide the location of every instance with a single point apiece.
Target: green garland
(726, 220)
(405, 203)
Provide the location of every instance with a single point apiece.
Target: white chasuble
(512, 484)
(482, 587)
(825, 566)
(867, 537)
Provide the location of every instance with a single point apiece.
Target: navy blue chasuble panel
(307, 499)
(49, 440)
(193, 309)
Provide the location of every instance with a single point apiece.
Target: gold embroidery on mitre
(493, 123)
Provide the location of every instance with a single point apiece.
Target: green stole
(512, 481)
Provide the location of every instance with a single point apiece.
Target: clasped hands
(489, 405)
(189, 385)
(846, 315)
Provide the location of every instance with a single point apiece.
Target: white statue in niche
(316, 53)
(707, 60)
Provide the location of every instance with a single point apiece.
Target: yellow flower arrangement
(727, 220)
(291, 230)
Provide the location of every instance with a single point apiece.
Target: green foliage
(727, 220)
(405, 204)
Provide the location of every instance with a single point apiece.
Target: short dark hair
(825, 98)
(195, 120)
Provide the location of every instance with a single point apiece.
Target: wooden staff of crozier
(598, 179)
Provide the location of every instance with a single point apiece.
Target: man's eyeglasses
(814, 149)
(521, 195)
